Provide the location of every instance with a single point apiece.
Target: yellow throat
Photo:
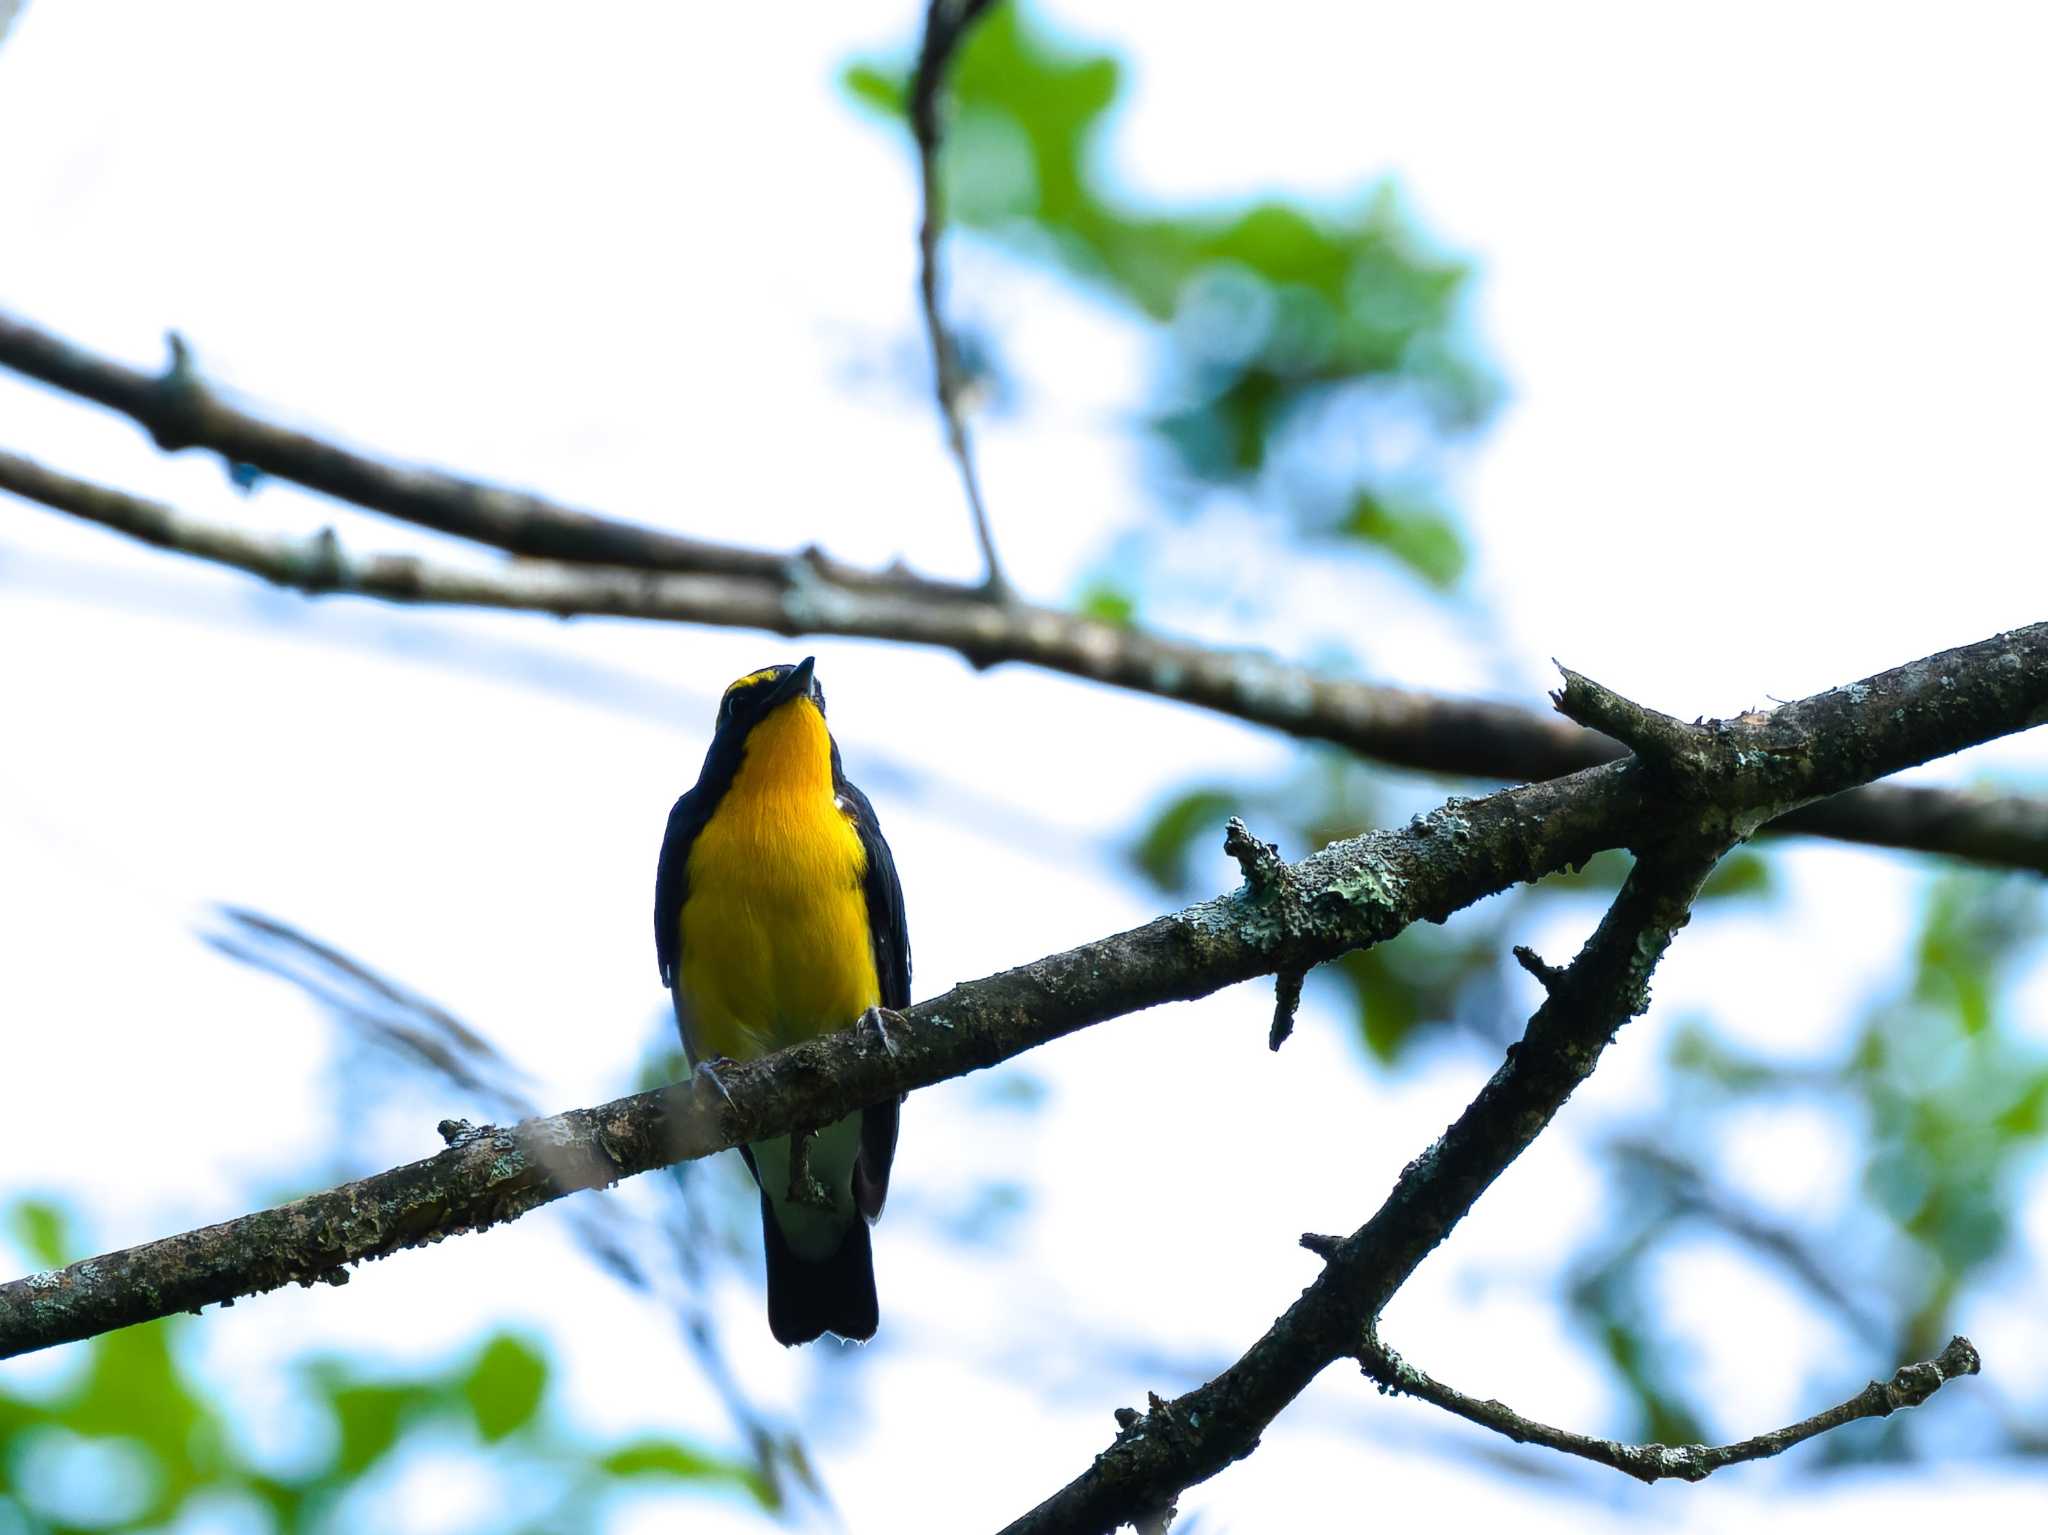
(775, 945)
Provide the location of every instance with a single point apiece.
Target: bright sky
(1765, 285)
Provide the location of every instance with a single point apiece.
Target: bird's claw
(879, 1019)
(709, 1071)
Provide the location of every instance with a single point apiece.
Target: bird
(778, 917)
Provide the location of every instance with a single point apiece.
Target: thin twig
(1194, 1436)
(1909, 1387)
(1350, 895)
(946, 23)
(1750, 769)
(811, 594)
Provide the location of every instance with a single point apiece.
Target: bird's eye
(725, 709)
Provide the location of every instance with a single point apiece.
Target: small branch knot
(1286, 1003)
(1669, 745)
(1913, 1384)
(1260, 861)
(320, 564)
(180, 399)
(1324, 1247)
(1548, 975)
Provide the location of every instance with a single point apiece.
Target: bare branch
(1910, 1386)
(1191, 1438)
(1286, 1003)
(1349, 895)
(1159, 1454)
(812, 594)
(946, 24)
(180, 411)
(1548, 976)
(1652, 736)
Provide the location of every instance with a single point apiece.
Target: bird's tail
(809, 1297)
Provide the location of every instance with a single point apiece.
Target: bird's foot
(708, 1070)
(879, 1019)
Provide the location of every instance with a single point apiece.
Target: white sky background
(1765, 285)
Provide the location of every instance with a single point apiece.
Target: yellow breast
(775, 945)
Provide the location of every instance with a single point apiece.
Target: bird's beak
(796, 685)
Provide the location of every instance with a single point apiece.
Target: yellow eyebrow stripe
(752, 679)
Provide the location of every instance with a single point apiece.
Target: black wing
(885, 901)
(891, 940)
(671, 881)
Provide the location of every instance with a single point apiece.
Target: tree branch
(946, 24)
(1349, 895)
(809, 594)
(1910, 1386)
(179, 410)
(1160, 1453)
(1178, 1443)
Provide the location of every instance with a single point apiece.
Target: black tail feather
(807, 1299)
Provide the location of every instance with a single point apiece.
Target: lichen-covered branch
(1743, 772)
(1158, 1454)
(1909, 1386)
(1349, 895)
(946, 25)
(1293, 916)
(810, 595)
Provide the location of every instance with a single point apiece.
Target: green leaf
(1271, 310)
(505, 1387)
(1164, 852)
(1387, 1012)
(2026, 1117)
(1739, 875)
(1426, 541)
(664, 1457)
(1108, 604)
(43, 1232)
(368, 1418)
(678, 1461)
(880, 90)
(1225, 438)
(1402, 987)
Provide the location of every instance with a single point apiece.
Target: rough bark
(1176, 1444)
(809, 595)
(1285, 919)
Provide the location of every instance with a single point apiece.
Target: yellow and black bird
(778, 917)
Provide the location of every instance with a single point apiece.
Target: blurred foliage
(1401, 993)
(1312, 358)
(135, 1438)
(1946, 1103)
(398, 1042)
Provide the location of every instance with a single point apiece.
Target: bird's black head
(759, 694)
(771, 733)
